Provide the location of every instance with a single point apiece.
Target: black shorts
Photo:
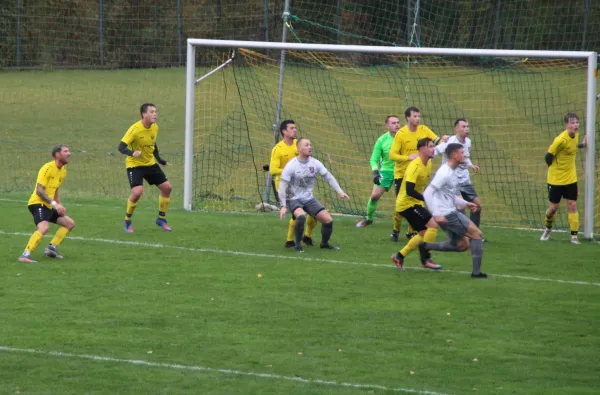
(397, 184)
(417, 216)
(42, 213)
(556, 192)
(152, 174)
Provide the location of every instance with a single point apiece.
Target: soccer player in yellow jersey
(142, 163)
(562, 176)
(282, 153)
(410, 204)
(404, 150)
(45, 205)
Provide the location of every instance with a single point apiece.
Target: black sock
(476, 217)
(299, 229)
(441, 246)
(326, 231)
(476, 254)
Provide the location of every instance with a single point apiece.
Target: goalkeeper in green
(382, 167)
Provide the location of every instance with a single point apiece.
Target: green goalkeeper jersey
(381, 153)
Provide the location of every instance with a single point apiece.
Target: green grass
(193, 298)
(514, 112)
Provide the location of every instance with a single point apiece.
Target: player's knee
(375, 197)
(70, 224)
(166, 188)
(43, 227)
(136, 193)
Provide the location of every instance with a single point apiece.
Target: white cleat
(546, 235)
(575, 240)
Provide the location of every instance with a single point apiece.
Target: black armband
(124, 149)
(549, 158)
(436, 141)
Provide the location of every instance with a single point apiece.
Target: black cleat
(394, 235)
(52, 252)
(290, 244)
(410, 235)
(479, 275)
(298, 249)
(329, 247)
(308, 241)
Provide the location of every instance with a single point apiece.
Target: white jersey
(462, 171)
(441, 192)
(301, 176)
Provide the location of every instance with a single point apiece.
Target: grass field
(187, 312)
(220, 307)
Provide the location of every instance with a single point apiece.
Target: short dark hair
(390, 116)
(458, 121)
(57, 148)
(423, 142)
(144, 108)
(285, 124)
(409, 111)
(452, 148)
(571, 115)
(299, 140)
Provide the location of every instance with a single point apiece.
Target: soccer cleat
(26, 259)
(52, 252)
(364, 223)
(479, 275)
(128, 226)
(410, 235)
(398, 260)
(575, 240)
(298, 249)
(163, 224)
(329, 247)
(546, 235)
(429, 264)
(308, 241)
(290, 244)
(394, 235)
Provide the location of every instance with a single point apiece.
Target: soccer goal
(339, 96)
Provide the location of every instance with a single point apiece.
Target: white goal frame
(590, 125)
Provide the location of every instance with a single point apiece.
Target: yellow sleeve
(431, 134)
(275, 164)
(397, 149)
(412, 172)
(129, 135)
(557, 146)
(43, 175)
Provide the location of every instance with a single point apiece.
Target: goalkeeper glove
(376, 177)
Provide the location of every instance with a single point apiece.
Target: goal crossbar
(592, 72)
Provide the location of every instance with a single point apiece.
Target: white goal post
(590, 57)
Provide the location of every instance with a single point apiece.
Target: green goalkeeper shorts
(386, 181)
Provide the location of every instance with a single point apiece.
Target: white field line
(292, 257)
(195, 368)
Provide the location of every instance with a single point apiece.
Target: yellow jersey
(405, 144)
(140, 138)
(419, 174)
(51, 177)
(563, 170)
(281, 154)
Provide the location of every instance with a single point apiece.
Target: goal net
(339, 97)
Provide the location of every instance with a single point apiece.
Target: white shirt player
(441, 195)
(300, 178)
(462, 171)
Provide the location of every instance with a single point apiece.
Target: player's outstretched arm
(334, 184)
(282, 194)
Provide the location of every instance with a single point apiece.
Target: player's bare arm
(41, 192)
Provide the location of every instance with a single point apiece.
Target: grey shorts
(468, 192)
(312, 206)
(457, 226)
